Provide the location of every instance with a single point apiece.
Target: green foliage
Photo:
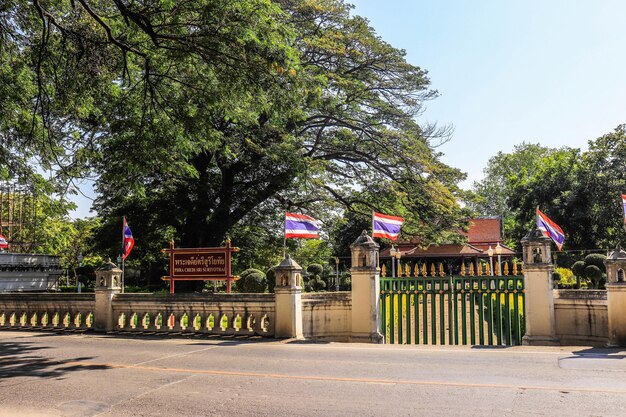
(578, 190)
(251, 281)
(314, 280)
(596, 259)
(270, 276)
(315, 269)
(578, 268)
(210, 118)
(594, 274)
(566, 277)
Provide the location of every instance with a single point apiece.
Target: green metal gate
(478, 310)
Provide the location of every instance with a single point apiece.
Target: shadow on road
(20, 359)
(600, 353)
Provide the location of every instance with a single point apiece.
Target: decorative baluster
(462, 269)
(514, 268)
(184, 321)
(471, 270)
(237, 323)
(145, 321)
(424, 272)
(433, 273)
(506, 269)
(121, 321)
(224, 322)
(210, 322)
(67, 319)
(197, 322)
(250, 322)
(441, 272)
(171, 321)
(265, 323)
(416, 271)
(407, 270)
(383, 271)
(78, 320)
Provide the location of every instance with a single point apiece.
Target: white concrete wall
(327, 315)
(581, 317)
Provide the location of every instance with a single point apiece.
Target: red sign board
(201, 264)
(207, 264)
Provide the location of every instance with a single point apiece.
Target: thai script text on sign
(205, 264)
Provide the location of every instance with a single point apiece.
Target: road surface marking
(353, 380)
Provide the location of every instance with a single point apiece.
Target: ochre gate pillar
(365, 291)
(108, 283)
(288, 296)
(616, 296)
(538, 268)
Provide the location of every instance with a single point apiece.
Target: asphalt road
(49, 374)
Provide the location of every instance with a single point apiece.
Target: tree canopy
(580, 191)
(198, 119)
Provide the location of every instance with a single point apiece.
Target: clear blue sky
(550, 71)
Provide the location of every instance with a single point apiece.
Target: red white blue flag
(550, 229)
(624, 206)
(386, 226)
(128, 241)
(301, 226)
(3, 242)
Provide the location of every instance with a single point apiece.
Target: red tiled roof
(485, 230)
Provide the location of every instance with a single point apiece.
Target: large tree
(197, 116)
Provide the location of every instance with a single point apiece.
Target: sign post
(200, 264)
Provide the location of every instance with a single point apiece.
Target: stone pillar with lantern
(539, 300)
(108, 284)
(365, 290)
(288, 296)
(616, 296)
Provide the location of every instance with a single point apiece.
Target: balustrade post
(616, 296)
(365, 291)
(539, 299)
(108, 284)
(288, 298)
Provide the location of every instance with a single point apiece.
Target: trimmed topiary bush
(594, 274)
(315, 282)
(251, 280)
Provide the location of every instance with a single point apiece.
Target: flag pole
(123, 231)
(285, 238)
(372, 223)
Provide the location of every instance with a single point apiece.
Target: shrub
(252, 281)
(315, 282)
(270, 277)
(567, 278)
(596, 259)
(594, 274)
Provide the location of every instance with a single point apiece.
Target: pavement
(67, 374)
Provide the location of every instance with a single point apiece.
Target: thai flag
(386, 226)
(550, 229)
(3, 242)
(128, 241)
(302, 226)
(624, 206)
